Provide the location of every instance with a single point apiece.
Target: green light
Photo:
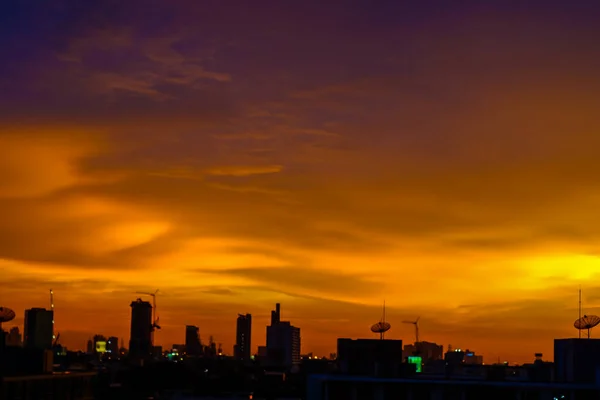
(418, 361)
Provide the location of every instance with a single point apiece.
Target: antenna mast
(579, 309)
(52, 309)
(381, 327)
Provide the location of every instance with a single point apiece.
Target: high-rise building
(38, 328)
(283, 341)
(193, 346)
(276, 314)
(112, 345)
(13, 338)
(243, 335)
(140, 339)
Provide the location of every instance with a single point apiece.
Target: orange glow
(454, 176)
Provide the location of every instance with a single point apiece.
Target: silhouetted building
(140, 340)
(193, 346)
(243, 343)
(72, 386)
(344, 387)
(178, 348)
(112, 345)
(283, 341)
(90, 346)
(38, 328)
(577, 360)
(460, 357)
(210, 351)
(262, 352)
(370, 357)
(426, 350)
(13, 338)
(276, 314)
(32, 360)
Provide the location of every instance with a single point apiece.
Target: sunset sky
(327, 155)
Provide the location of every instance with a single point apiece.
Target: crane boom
(155, 317)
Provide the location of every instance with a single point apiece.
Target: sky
(439, 156)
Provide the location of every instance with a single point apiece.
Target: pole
(579, 309)
(52, 309)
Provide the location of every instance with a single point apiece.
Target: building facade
(243, 337)
(428, 351)
(13, 338)
(140, 339)
(193, 346)
(370, 357)
(283, 342)
(38, 328)
(577, 360)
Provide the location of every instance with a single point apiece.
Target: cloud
(299, 279)
(35, 161)
(218, 291)
(248, 189)
(148, 151)
(244, 170)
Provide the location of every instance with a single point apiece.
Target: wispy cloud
(244, 170)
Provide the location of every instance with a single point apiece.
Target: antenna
(381, 327)
(6, 314)
(586, 322)
(52, 309)
(579, 309)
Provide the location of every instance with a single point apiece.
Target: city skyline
(323, 156)
(275, 318)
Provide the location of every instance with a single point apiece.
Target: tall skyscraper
(243, 336)
(38, 328)
(283, 341)
(140, 339)
(14, 337)
(193, 346)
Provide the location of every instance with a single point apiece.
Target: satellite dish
(6, 314)
(381, 327)
(587, 322)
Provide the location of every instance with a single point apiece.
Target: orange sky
(445, 161)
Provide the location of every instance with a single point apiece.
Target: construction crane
(416, 324)
(56, 340)
(154, 325)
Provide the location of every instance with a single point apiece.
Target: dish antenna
(381, 327)
(6, 314)
(587, 322)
